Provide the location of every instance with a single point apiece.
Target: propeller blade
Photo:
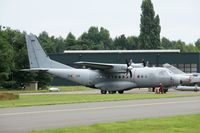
(126, 72)
(147, 64)
(131, 61)
(129, 67)
(130, 74)
(143, 62)
(127, 63)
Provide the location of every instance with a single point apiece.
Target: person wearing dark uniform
(161, 89)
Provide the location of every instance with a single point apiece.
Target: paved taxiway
(96, 91)
(23, 119)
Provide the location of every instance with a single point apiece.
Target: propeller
(145, 63)
(129, 67)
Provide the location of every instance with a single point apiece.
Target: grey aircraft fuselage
(142, 77)
(189, 81)
(103, 76)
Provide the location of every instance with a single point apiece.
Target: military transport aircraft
(110, 78)
(185, 79)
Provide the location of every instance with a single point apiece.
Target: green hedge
(8, 96)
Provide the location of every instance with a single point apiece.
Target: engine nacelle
(188, 88)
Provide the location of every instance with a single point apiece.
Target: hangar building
(187, 62)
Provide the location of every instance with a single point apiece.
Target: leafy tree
(179, 45)
(70, 42)
(197, 43)
(120, 42)
(96, 39)
(6, 59)
(20, 59)
(47, 42)
(105, 39)
(93, 35)
(132, 43)
(166, 43)
(13, 57)
(190, 48)
(149, 27)
(44, 79)
(59, 45)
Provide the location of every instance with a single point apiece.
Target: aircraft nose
(186, 80)
(183, 80)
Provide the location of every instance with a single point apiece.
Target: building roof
(124, 51)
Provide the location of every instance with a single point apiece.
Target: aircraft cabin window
(119, 77)
(138, 76)
(123, 76)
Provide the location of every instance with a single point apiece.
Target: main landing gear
(103, 91)
(111, 92)
(165, 90)
(121, 92)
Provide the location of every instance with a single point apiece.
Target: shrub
(8, 96)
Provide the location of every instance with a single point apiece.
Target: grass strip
(62, 89)
(33, 100)
(174, 124)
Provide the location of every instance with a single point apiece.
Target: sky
(179, 19)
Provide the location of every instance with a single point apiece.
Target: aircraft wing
(95, 65)
(34, 69)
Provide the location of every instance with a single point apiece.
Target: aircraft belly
(115, 85)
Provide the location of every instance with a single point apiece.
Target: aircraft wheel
(103, 91)
(114, 92)
(121, 92)
(111, 92)
(153, 89)
(165, 90)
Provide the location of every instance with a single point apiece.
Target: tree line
(13, 51)
(94, 39)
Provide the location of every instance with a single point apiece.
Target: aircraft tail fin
(37, 56)
(173, 69)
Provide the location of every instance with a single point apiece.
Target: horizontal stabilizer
(34, 69)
